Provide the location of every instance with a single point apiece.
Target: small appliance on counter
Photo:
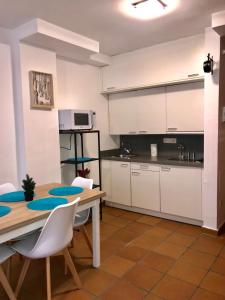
(70, 119)
(154, 150)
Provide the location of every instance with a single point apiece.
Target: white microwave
(70, 119)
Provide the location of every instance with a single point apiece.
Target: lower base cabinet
(181, 191)
(121, 189)
(145, 189)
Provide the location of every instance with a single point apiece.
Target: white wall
(41, 136)
(8, 169)
(79, 87)
(211, 105)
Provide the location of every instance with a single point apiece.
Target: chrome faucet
(126, 149)
(180, 148)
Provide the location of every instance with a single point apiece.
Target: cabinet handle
(111, 88)
(124, 165)
(172, 128)
(142, 131)
(165, 169)
(135, 173)
(193, 75)
(132, 132)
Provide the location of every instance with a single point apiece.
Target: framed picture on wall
(41, 90)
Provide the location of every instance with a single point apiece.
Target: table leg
(96, 234)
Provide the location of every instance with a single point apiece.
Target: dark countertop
(161, 160)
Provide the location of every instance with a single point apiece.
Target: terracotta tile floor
(142, 257)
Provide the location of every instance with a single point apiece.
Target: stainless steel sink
(126, 156)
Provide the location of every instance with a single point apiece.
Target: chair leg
(48, 278)
(72, 268)
(22, 275)
(87, 238)
(6, 285)
(8, 268)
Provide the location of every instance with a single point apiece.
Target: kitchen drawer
(145, 166)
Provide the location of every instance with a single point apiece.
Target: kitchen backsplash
(140, 144)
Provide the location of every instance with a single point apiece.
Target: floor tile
(131, 215)
(181, 239)
(147, 242)
(158, 232)
(133, 253)
(123, 290)
(113, 211)
(222, 252)
(169, 224)
(149, 220)
(189, 230)
(151, 296)
(187, 272)
(77, 294)
(214, 282)
(107, 217)
(110, 247)
(117, 265)
(107, 230)
(202, 294)
(158, 262)
(170, 288)
(124, 235)
(96, 281)
(143, 277)
(169, 249)
(138, 227)
(207, 245)
(219, 266)
(198, 258)
(118, 222)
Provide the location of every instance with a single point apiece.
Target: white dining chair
(55, 236)
(5, 253)
(82, 217)
(7, 188)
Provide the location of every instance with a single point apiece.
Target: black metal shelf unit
(82, 160)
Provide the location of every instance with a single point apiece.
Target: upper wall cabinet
(163, 64)
(184, 106)
(138, 112)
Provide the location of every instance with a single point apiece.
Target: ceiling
(102, 20)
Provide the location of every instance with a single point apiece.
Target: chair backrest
(57, 231)
(7, 188)
(83, 182)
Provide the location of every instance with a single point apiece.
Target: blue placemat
(80, 159)
(4, 210)
(12, 197)
(65, 191)
(46, 203)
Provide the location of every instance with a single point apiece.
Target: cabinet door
(106, 179)
(121, 190)
(172, 61)
(123, 114)
(185, 107)
(181, 192)
(145, 189)
(151, 111)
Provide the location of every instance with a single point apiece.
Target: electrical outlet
(169, 140)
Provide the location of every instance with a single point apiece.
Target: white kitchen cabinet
(181, 192)
(184, 106)
(169, 62)
(106, 179)
(138, 112)
(121, 188)
(145, 186)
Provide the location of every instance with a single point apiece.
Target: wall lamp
(164, 5)
(208, 64)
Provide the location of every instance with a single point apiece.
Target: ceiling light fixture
(142, 1)
(147, 9)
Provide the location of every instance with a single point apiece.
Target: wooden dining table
(22, 220)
